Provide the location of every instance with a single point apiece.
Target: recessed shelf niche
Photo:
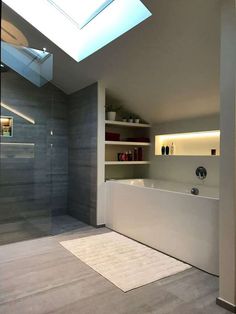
(6, 123)
(131, 137)
(205, 143)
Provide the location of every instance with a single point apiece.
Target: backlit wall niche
(6, 126)
(205, 143)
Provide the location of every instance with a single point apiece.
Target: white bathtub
(165, 216)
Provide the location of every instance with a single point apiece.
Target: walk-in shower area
(47, 143)
(34, 150)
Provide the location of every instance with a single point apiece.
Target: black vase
(167, 150)
(163, 150)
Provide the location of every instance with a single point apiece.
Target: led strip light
(18, 113)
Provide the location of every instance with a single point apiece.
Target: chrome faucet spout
(194, 191)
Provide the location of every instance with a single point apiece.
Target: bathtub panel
(181, 225)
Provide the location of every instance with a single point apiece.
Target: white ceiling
(166, 68)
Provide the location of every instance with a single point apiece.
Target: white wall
(227, 293)
(182, 168)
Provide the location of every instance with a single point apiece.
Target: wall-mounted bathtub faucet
(201, 173)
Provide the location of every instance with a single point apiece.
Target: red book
(112, 136)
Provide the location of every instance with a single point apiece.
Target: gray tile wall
(33, 180)
(82, 192)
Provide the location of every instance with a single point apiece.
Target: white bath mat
(126, 263)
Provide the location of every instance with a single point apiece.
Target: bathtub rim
(121, 181)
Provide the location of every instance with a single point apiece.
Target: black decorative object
(163, 150)
(213, 152)
(167, 150)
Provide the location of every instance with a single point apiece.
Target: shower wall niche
(6, 124)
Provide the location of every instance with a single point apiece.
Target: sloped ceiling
(166, 68)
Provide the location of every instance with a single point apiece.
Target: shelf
(123, 143)
(111, 163)
(127, 124)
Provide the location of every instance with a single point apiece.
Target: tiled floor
(40, 276)
(31, 228)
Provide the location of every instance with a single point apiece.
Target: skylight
(81, 27)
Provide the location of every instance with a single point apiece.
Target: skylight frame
(88, 19)
(38, 55)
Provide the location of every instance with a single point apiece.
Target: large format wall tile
(33, 180)
(83, 154)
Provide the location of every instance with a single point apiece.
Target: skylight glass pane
(55, 20)
(81, 11)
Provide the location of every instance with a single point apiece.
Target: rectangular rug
(124, 262)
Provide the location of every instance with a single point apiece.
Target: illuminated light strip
(215, 133)
(17, 113)
(21, 144)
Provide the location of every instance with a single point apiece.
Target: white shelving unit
(108, 166)
(127, 124)
(115, 169)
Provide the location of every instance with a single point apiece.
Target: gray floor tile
(39, 276)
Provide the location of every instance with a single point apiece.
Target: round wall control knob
(201, 173)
